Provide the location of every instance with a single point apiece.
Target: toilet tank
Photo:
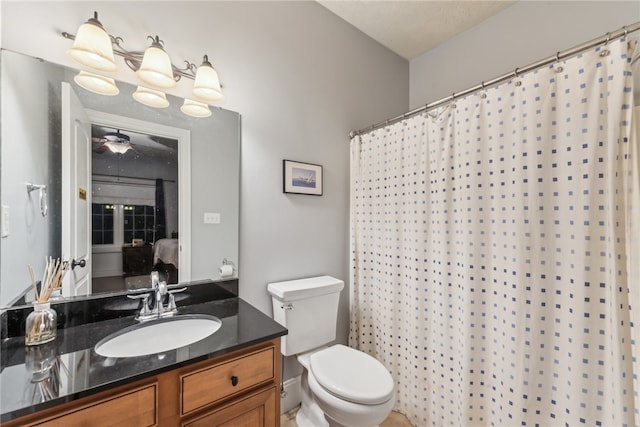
(308, 308)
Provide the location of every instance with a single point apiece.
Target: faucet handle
(145, 312)
(171, 304)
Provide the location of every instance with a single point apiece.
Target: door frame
(183, 136)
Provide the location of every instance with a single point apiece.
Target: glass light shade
(156, 69)
(92, 47)
(150, 97)
(207, 86)
(195, 108)
(118, 147)
(97, 84)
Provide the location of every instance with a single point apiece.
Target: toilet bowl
(344, 387)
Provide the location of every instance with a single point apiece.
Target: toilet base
(309, 414)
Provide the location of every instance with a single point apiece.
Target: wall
(520, 35)
(301, 79)
(37, 121)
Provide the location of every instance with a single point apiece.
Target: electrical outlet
(211, 218)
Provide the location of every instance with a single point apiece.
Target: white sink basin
(157, 336)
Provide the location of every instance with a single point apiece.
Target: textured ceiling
(411, 28)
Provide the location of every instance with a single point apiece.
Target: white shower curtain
(491, 250)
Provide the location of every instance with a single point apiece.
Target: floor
(396, 419)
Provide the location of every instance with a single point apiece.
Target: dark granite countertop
(72, 369)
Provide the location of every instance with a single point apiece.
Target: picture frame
(301, 178)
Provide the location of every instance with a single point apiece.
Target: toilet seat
(351, 375)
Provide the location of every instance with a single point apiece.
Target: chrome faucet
(153, 304)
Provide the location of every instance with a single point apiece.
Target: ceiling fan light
(156, 69)
(96, 83)
(118, 147)
(92, 46)
(150, 97)
(207, 85)
(195, 108)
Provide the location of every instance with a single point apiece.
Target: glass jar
(41, 324)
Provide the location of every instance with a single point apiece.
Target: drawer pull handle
(234, 381)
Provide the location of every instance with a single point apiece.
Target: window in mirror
(139, 223)
(102, 223)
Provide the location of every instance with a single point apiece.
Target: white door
(76, 193)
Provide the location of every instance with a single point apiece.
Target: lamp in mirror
(150, 97)
(96, 83)
(195, 108)
(117, 142)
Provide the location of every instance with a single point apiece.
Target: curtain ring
(604, 52)
(625, 31)
(559, 68)
(517, 76)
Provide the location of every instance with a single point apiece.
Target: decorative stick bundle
(41, 323)
(54, 273)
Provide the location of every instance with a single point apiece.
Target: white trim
(292, 394)
(184, 174)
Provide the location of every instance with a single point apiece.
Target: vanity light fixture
(94, 48)
(156, 68)
(207, 86)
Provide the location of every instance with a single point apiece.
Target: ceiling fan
(116, 142)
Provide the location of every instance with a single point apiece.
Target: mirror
(31, 136)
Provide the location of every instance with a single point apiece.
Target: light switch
(211, 218)
(4, 221)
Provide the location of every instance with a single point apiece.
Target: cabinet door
(255, 410)
(135, 408)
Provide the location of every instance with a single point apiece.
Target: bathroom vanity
(229, 378)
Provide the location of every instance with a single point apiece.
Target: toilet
(341, 386)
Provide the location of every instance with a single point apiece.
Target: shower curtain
(491, 244)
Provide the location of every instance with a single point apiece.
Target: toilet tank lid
(292, 290)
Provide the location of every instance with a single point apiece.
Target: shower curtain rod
(627, 29)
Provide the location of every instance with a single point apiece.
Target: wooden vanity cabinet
(237, 389)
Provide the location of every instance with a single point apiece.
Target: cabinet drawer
(255, 410)
(209, 385)
(134, 408)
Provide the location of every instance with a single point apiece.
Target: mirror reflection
(138, 207)
(134, 208)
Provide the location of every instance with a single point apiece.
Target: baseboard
(292, 394)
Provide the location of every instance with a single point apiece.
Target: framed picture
(302, 178)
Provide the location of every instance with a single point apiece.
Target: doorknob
(82, 263)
